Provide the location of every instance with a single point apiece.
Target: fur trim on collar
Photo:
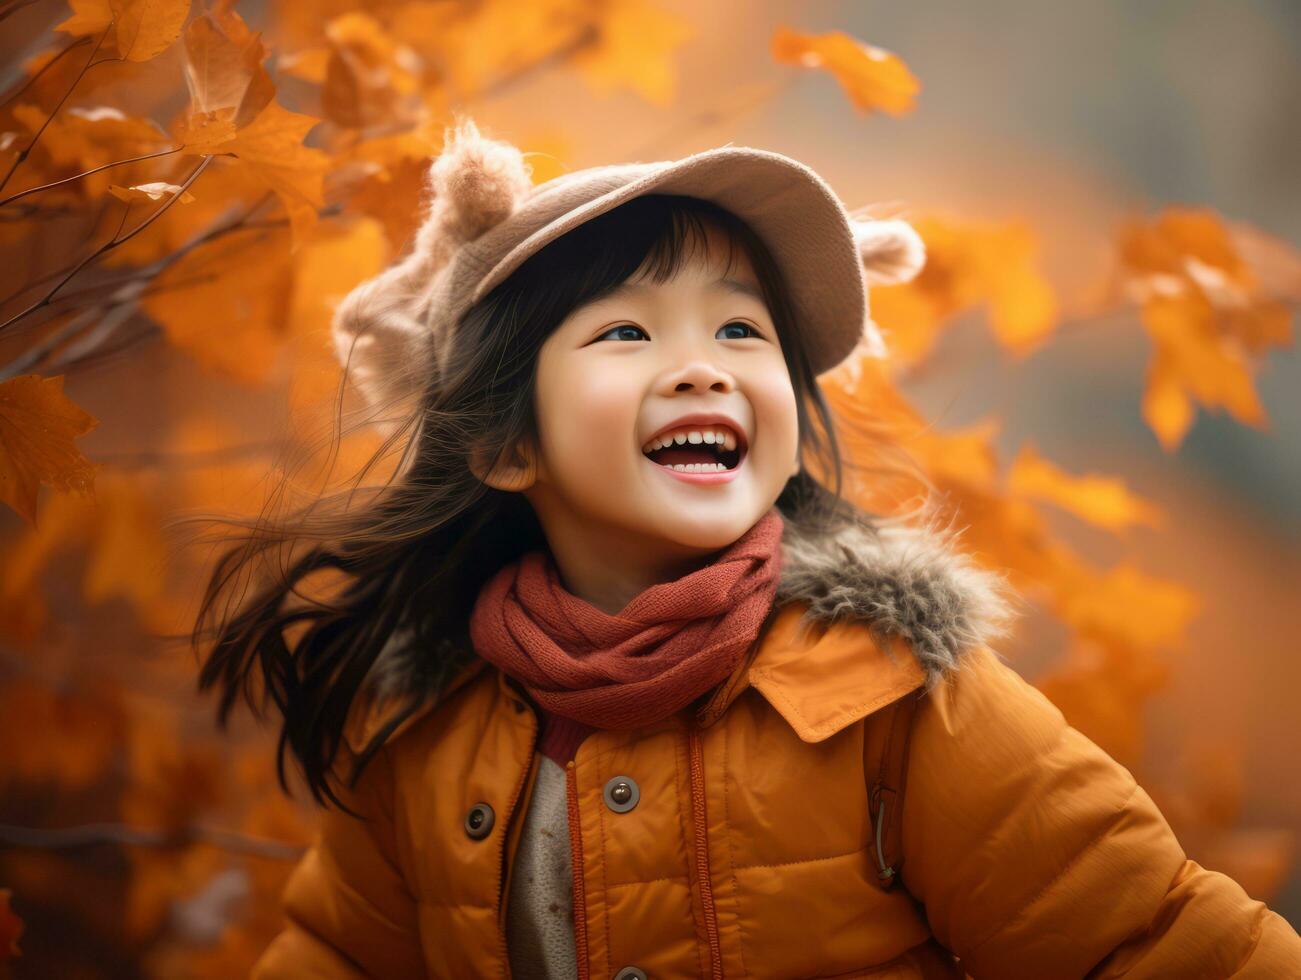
(904, 581)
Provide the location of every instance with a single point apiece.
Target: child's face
(619, 375)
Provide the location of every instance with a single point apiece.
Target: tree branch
(68, 180)
(18, 161)
(117, 239)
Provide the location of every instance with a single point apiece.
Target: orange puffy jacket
(1021, 848)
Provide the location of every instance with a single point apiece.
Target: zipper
(699, 819)
(512, 808)
(576, 860)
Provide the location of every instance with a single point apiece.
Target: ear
(891, 250)
(515, 472)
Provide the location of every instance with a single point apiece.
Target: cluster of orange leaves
(226, 228)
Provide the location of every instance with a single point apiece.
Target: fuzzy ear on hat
(381, 329)
(892, 253)
(891, 250)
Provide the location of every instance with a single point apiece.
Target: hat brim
(792, 209)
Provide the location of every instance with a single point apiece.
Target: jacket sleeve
(348, 909)
(1036, 854)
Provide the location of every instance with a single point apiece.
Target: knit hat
(485, 217)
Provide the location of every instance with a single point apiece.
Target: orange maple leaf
(1207, 310)
(369, 77)
(224, 73)
(1101, 500)
(873, 78)
(37, 427)
(142, 29)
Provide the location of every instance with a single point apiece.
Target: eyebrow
(730, 285)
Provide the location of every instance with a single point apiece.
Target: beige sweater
(539, 910)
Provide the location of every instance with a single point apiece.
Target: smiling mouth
(685, 456)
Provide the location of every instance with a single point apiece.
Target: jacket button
(478, 822)
(621, 795)
(630, 973)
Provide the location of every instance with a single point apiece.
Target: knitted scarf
(588, 670)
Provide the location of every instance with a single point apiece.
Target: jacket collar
(862, 617)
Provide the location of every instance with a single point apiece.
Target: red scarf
(670, 644)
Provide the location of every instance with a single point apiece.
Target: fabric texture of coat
(1026, 850)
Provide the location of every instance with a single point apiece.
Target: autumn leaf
(370, 78)
(88, 17)
(38, 425)
(1193, 361)
(157, 190)
(11, 927)
(1207, 311)
(223, 72)
(272, 149)
(1100, 500)
(142, 29)
(147, 28)
(969, 264)
(873, 78)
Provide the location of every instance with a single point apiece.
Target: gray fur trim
(904, 581)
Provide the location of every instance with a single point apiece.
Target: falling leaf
(146, 28)
(1208, 312)
(154, 191)
(1101, 500)
(1194, 361)
(874, 79)
(11, 927)
(272, 149)
(370, 78)
(968, 264)
(223, 72)
(88, 17)
(38, 424)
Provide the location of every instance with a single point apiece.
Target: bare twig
(44, 68)
(68, 180)
(18, 161)
(94, 834)
(117, 239)
(119, 308)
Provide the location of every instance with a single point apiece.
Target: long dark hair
(414, 554)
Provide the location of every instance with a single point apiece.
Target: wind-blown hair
(413, 554)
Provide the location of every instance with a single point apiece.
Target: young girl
(618, 685)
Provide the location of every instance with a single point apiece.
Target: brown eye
(747, 331)
(625, 331)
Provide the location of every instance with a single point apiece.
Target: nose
(697, 375)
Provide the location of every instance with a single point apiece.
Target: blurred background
(1096, 371)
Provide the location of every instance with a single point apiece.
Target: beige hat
(486, 217)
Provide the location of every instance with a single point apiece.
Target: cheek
(775, 410)
(579, 411)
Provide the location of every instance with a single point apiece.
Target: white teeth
(698, 467)
(710, 437)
